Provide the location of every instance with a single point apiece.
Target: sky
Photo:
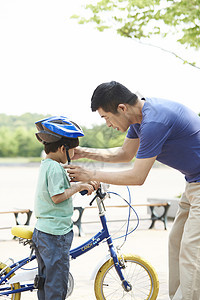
(49, 64)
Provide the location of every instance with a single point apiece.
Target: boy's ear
(62, 148)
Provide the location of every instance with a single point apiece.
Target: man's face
(118, 121)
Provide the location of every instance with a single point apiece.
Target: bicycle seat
(22, 231)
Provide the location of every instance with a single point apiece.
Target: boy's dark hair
(109, 95)
(69, 142)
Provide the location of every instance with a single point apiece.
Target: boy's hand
(95, 184)
(87, 186)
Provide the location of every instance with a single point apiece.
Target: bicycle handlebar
(84, 192)
(99, 194)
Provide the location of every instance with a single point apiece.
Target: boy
(53, 206)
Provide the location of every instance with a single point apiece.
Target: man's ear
(122, 107)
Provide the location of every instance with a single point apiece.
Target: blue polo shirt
(170, 131)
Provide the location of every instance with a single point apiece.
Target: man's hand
(77, 173)
(78, 153)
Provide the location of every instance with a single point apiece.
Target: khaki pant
(184, 247)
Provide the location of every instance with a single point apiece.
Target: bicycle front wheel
(11, 287)
(137, 271)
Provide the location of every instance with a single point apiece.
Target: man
(157, 130)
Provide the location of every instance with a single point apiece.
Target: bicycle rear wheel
(137, 271)
(12, 287)
(70, 285)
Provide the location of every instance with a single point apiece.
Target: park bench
(154, 215)
(17, 213)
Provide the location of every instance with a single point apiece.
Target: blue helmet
(53, 129)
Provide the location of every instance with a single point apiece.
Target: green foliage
(100, 136)
(17, 135)
(144, 18)
(8, 145)
(136, 18)
(26, 120)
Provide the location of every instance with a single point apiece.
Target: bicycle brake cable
(128, 221)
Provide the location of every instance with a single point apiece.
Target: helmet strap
(68, 157)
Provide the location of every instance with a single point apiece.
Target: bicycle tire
(70, 285)
(14, 286)
(138, 272)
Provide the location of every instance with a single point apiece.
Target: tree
(100, 136)
(17, 135)
(28, 145)
(26, 120)
(8, 144)
(142, 19)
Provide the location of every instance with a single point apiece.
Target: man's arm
(135, 176)
(111, 155)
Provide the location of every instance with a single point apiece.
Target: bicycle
(120, 276)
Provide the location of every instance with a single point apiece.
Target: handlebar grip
(84, 192)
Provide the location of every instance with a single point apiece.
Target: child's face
(63, 156)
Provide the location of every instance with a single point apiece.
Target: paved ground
(17, 187)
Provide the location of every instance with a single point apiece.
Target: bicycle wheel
(70, 285)
(137, 271)
(14, 286)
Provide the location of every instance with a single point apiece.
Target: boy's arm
(75, 188)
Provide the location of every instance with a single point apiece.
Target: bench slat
(15, 211)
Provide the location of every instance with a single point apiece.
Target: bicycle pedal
(39, 282)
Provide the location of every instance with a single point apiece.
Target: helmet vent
(60, 122)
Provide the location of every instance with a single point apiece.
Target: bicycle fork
(119, 264)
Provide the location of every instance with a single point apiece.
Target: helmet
(53, 129)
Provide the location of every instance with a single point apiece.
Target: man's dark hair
(67, 142)
(109, 95)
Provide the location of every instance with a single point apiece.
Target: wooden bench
(17, 213)
(154, 216)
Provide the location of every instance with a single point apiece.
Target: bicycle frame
(14, 267)
(74, 253)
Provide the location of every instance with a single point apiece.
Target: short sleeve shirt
(170, 131)
(52, 218)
